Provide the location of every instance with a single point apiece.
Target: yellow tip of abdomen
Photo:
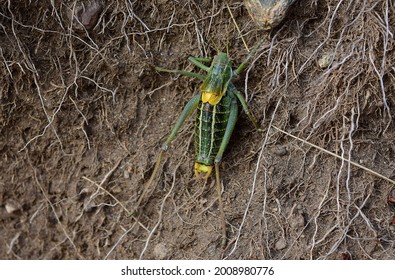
(202, 168)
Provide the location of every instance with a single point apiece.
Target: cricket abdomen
(211, 122)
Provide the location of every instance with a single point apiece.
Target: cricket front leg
(198, 61)
(181, 72)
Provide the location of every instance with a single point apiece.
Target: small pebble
(126, 174)
(267, 14)
(280, 244)
(325, 61)
(161, 251)
(297, 221)
(391, 201)
(87, 16)
(116, 189)
(282, 151)
(10, 208)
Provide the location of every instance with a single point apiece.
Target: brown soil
(84, 113)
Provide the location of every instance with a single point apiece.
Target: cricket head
(217, 80)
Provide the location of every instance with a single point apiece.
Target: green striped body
(211, 122)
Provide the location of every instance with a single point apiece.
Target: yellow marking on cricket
(211, 98)
(202, 168)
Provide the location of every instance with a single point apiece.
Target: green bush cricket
(217, 111)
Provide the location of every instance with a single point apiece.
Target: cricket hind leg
(224, 143)
(188, 109)
(221, 206)
(147, 186)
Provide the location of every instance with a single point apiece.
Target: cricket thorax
(216, 83)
